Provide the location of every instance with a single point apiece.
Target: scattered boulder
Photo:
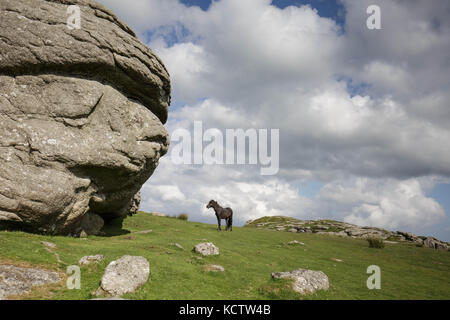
(366, 232)
(144, 232)
(159, 214)
(214, 268)
(18, 280)
(407, 235)
(305, 281)
(295, 242)
(83, 235)
(429, 243)
(49, 245)
(332, 233)
(109, 298)
(124, 275)
(292, 230)
(206, 249)
(81, 117)
(90, 259)
(435, 244)
(338, 234)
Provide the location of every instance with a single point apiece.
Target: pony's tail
(231, 220)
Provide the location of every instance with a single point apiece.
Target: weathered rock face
(81, 116)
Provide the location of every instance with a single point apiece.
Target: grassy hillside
(248, 255)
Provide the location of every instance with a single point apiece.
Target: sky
(363, 114)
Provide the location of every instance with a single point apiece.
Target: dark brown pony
(222, 213)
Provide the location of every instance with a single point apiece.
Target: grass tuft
(375, 243)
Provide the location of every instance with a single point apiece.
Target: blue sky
(364, 120)
(326, 8)
(204, 4)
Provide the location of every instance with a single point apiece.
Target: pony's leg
(218, 223)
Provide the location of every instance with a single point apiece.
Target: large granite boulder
(81, 116)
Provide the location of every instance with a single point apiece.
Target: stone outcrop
(81, 117)
(343, 229)
(305, 281)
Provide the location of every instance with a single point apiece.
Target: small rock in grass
(206, 249)
(83, 234)
(158, 214)
(90, 259)
(214, 268)
(50, 245)
(305, 281)
(144, 232)
(294, 242)
(124, 275)
(110, 298)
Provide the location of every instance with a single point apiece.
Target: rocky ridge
(343, 229)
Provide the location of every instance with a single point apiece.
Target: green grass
(249, 255)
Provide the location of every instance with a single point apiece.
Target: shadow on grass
(114, 228)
